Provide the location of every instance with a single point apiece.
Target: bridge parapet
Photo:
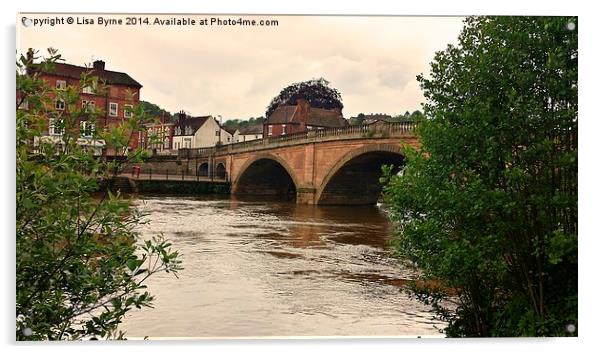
(375, 130)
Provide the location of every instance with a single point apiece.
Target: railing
(179, 174)
(359, 131)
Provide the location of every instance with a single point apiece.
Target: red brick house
(158, 136)
(122, 93)
(301, 117)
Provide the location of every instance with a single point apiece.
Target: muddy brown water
(256, 268)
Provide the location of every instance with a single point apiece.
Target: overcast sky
(236, 71)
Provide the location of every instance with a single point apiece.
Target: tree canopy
(316, 91)
(154, 110)
(240, 123)
(487, 209)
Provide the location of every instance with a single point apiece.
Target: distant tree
(359, 119)
(80, 263)
(154, 110)
(416, 116)
(487, 209)
(240, 123)
(316, 91)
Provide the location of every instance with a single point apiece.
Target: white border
(589, 198)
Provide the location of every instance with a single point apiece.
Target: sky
(235, 71)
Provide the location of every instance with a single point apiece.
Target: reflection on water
(259, 268)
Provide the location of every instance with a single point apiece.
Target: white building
(198, 132)
(234, 133)
(251, 133)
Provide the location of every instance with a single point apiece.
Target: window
(217, 133)
(166, 143)
(187, 143)
(55, 126)
(88, 89)
(60, 104)
(256, 136)
(61, 85)
(283, 129)
(269, 130)
(127, 110)
(178, 131)
(86, 129)
(228, 139)
(113, 109)
(88, 105)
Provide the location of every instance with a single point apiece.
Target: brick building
(120, 95)
(301, 117)
(158, 136)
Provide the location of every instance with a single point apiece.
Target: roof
(325, 118)
(252, 130)
(110, 77)
(193, 122)
(380, 119)
(319, 117)
(284, 114)
(229, 130)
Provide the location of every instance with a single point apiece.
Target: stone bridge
(330, 166)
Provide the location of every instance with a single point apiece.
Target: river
(260, 268)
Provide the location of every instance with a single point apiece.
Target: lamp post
(220, 129)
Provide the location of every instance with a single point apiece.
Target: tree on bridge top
(316, 91)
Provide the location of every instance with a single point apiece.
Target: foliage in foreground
(80, 264)
(487, 209)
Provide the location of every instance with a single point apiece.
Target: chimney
(181, 116)
(98, 65)
(304, 107)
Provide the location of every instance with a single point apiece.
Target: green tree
(80, 263)
(316, 91)
(487, 209)
(154, 110)
(240, 124)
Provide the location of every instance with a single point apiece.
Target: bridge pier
(306, 195)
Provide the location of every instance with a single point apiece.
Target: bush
(80, 263)
(488, 206)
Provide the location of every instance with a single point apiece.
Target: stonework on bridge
(332, 166)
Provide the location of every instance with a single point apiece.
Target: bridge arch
(266, 174)
(220, 170)
(203, 169)
(354, 178)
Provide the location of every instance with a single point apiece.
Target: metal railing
(176, 174)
